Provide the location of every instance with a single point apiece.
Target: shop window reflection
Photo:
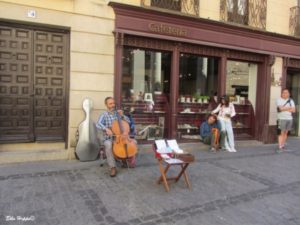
(241, 87)
(145, 90)
(198, 78)
(145, 71)
(241, 81)
(198, 82)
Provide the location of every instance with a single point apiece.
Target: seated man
(105, 124)
(210, 132)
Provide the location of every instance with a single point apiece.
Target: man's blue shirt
(106, 120)
(205, 129)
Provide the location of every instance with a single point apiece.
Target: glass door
(293, 84)
(241, 87)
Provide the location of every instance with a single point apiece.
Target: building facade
(166, 62)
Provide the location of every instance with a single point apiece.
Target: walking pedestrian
(285, 108)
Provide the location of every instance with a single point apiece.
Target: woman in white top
(225, 111)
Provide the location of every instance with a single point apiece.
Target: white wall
(275, 89)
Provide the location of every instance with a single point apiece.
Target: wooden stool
(166, 164)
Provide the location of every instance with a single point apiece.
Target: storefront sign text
(167, 29)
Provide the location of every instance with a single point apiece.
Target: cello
(124, 147)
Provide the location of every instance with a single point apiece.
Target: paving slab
(253, 186)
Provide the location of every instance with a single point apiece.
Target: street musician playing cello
(117, 142)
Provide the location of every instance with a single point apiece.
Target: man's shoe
(113, 171)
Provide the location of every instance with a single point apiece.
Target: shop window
(145, 90)
(145, 72)
(241, 81)
(198, 78)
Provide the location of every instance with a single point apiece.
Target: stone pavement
(255, 186)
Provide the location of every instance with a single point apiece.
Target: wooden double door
(33, 84)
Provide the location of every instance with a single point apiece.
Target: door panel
(49, 85)
(33, 72)
(16, 84)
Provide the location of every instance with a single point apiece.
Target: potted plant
(205, 99)
(197, 98)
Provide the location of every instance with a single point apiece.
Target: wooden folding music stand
(164, 166)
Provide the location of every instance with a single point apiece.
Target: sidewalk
(255, 186)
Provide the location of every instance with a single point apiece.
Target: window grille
(246, 12)
(184, 6)
(294, 25)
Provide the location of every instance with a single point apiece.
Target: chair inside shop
(170, 155)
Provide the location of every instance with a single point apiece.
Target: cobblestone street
(254, 186)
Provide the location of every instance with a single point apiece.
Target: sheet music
(173, 161)
(174, 146)
(165, 156)
(162, 147)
